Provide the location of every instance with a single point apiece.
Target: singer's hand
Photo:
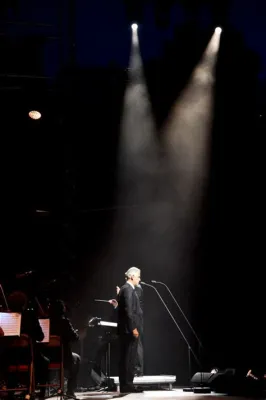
(113, 302)
(135, 333)
(117, 290)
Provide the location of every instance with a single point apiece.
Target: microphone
(176, 324)
(24, 274)
(182, 312)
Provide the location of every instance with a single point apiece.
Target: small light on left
(35, 114)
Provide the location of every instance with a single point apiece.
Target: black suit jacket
(139, 292)
(129, 310)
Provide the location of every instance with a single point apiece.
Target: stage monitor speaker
(220, 382)
(224, 381)
(101, 380)
(201, 378)
(97, 376)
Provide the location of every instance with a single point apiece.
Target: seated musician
(61, 326)
(18, 302)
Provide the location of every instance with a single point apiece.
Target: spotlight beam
(188, 147)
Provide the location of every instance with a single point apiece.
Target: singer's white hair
(132, 272)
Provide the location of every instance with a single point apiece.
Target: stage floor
(177, 394)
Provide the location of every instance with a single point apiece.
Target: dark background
(69, 60)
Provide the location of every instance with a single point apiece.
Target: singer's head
(133, 276)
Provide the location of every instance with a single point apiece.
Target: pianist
(61, 326)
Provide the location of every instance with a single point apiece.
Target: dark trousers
(72, 365)
(128, 354)
(139, 367)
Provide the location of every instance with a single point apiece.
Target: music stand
(10, 323)
(45, 325)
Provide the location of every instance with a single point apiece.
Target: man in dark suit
(129, 326)
(139, 364)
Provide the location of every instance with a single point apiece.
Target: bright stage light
(218, 30)
(134, 27)
(35, 114)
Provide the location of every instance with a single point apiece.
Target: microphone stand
(190, 351)
(182, 312)
(201, 389)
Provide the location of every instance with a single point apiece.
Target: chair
(23, 342)
(55, 343)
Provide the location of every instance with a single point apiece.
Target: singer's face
(136, 279)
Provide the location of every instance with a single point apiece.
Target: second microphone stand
(190, 350)
(182, 312)
(200, 389)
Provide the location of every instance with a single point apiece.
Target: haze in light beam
(188, 143)
(138, 146)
